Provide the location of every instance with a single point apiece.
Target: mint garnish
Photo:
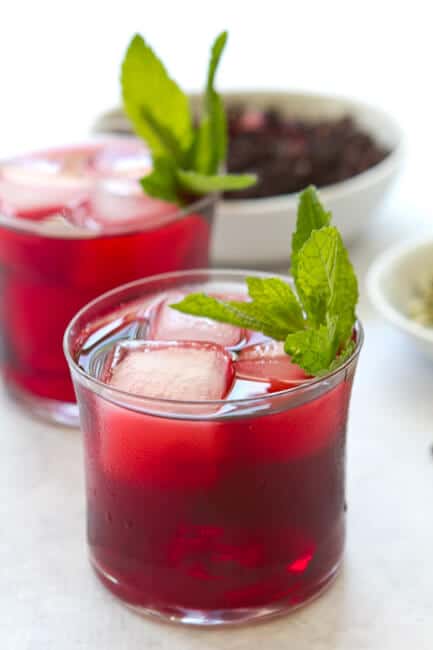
(311, 216)
(186, 159)
(316, 323)
(210, 144)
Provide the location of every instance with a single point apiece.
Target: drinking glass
(75, 223)
(210, 512)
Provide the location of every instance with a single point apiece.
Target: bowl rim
(384, 264)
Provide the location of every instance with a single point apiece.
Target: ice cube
(48, 180)
(171, 325)
(123, 157)
(268, 362)
(179, 371)
(120, 202)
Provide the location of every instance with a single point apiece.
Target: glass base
(65, 413)
(211, 618)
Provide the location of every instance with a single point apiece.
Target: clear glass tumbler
(208, 512)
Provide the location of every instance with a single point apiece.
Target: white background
(59, 61)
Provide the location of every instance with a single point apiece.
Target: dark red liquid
(227, 515)
(44, 281)
(217, 514)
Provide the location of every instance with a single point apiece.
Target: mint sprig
(210, 146)
(186, 158)
(315, 323)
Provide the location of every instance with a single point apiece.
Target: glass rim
(36, 228)
(105, 390)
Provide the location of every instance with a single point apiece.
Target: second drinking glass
(73, 224)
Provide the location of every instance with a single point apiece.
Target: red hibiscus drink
(75, 223)
(215, 467)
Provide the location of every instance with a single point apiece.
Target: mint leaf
(233, 312)
(220, 127)
(167, 140)
(161, 183)
(311, 216)
(210, 145)
(209, 148)
(326, 282)
(197, 183)
(203, 154)
(342, 357)
(214, 106)
(156, 106)
(313, 349)
(273, 309)
(215, 57)
(275, 296)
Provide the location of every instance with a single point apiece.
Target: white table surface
(382, 600)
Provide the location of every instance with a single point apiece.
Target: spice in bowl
(289, 154)
(420, 306)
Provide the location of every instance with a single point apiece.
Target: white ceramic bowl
(391, 282)
(257, 232)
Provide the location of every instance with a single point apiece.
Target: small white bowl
(257, 232)
(391, 282)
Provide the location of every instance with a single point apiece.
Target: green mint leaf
(156, 106)
(276, 297)
(313, 349)
(220, 127)
(242, 314)
(214, 105)
(161, 183)
(273, 309)
(197, 183)
(233, 312)
(215, 57)
(311, 216)
(210, 145)
(326, 282)
(203, 155)
(342, 357)
(167, 141)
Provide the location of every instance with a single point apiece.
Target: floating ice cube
(116, 198)
(178, 371)
(120, 203)
(48, 180)
(123, 157)
(171, 325)
(268, 362)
